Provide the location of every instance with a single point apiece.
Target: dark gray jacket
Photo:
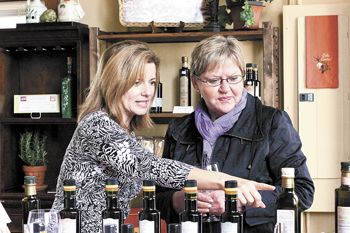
(261, 142)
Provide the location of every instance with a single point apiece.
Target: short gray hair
(213, 51)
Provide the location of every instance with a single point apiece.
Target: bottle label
(147, 226)
(111, 221)
(68, 225)
(229, 227)
(159, 102)
(343, 219)
(189, 227)
(286, 218)
(184, 91)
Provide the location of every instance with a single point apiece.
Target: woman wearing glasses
(237, 132)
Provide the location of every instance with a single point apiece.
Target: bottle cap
(174, 228)
(127, 228)
(149, 183)
(112, 181)
(112, 185)
(184, 59)
(251, 65)
(69, 182)
(149, 186)
(345, 166)
(110, 228)
(191, 183)
(231, 184)
(288, 172)
(29, 180)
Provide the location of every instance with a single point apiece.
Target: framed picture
(163, 13)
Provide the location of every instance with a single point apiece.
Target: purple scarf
(211, 130)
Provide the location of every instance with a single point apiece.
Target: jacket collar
(248, 127)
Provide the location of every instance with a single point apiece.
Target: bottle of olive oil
(30, 201)
(185, 83)
(112, 215)
(190, 218)
(67, 91)
(70, 215)
(342, 201)
(149, 216)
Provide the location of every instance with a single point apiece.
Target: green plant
(246, 14)
(32, 148)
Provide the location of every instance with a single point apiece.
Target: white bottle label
(68, 225)
(111, 221)
(286, 218)
(147, 226)
(184, 91)
(229, 227)
(343, 219)
(189, 227)
(159, 102)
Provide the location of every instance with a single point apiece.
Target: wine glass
(43, 220)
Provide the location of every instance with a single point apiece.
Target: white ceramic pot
(69, 10)
(33, 11)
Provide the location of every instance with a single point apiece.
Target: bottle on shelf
(288, 216)
(342, 200)
(159, 100)
(127, 228)
(67, 91)
(252, 83)
(149, 216)
(112, 216)
(190, 218)
(174, 228)
(30, 201)
(231, 219)
(70, 215)
(185, 83)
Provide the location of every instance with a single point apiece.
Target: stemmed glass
(46, 220)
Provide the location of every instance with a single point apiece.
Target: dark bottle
(70, 215)
(231, 219)
(174, 228)
(67, 91)
(30, 201)
(342, 200)
(112, 215)
(252, 83)
(288, 216)
(185, 83)
(190, 218)
(159, 100)
(149, 216)
(127, 228)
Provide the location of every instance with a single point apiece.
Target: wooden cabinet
(33, 61)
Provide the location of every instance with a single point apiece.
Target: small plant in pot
(243, 14)
(33, 153)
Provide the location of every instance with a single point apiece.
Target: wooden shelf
(165, 117)
(42, 121)
(178, 37)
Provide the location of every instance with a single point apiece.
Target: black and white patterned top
(100, 149)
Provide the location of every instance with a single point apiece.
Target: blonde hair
(213, 51)
(118, 69)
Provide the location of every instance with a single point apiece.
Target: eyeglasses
(214, 82)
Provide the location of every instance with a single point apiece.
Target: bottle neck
(149, 200)
(345, 178)
(191, 201)
(288, 183)
(185, 65)
(230, 203)
(69, 199)
(69, 68)
(112, 200)
(30, 190)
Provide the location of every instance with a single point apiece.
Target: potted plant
(33, 153)
(243, 14)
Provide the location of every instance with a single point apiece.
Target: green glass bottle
(70, 215)
(67, 91)
(149, 216)
(190, 218)
(30, 201)
(112, 215)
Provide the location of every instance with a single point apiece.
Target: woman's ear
(194, 83)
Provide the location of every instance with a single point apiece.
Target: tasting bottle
(127, 228)
(185, 83)
(149, 216)
(342, 201)
(30, 201)
(174, 228)
(190, 218)
(112, 216)
(231, 219)
(257, 83)
(67, 91)
(288, 216)
(159, 99)
(70, 215)
(252, 83)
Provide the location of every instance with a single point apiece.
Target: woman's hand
(212, 201)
